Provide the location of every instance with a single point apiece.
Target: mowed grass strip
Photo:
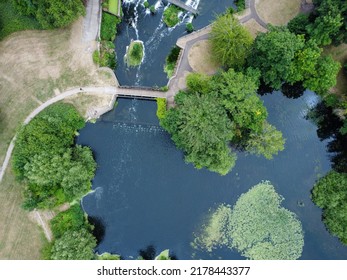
(113, 6)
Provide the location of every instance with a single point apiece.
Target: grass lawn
(35, 66)
(340, 54)
(11, 21)
(278, 12)
(113, 6)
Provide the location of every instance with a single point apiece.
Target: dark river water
(146, 195)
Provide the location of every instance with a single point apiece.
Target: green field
(113, 6)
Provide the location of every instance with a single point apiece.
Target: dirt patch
(254, 27)
(200, 58)
(88, 103)
(278, 12)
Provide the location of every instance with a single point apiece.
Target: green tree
(329, 22)
(262, 229)
(52, 13)
(74, 245)
(330, 194)
(72, 219)
(324, 77)
(298, 25)
(273, 53)
(201, 128)
(266, 143)
(238, 94)
(52, 131)
(59, 13)
(304, 63)
(108, 27)
(231, 42)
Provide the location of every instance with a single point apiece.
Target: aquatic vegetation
(262, 229)
(215, 232)
(257, 226)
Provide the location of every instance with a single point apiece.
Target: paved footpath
(185, 42)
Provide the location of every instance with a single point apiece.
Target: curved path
(255, 15)
(185, 42)
(114, 91)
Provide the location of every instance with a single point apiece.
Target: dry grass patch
(88, 102)
(33, 65)
(254, 27)
(200, 58)
(20, 238)
(340, 54)
(278, 12)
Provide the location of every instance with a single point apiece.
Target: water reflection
(329, 125)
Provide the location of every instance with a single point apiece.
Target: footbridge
(184, 6)
(138, 92)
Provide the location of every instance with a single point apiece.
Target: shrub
(189, 27)
(240, 4)
(135, 53)
(170, 16)
(96, 57)
(161, 108)
(152, 9)
(171, 61)
(71, 219)
(146, 4)
(108, 29)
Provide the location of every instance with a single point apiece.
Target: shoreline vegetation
(106, 57)
(171, 60)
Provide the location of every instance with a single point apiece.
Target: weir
(182, 5)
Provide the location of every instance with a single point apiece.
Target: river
(146, 196)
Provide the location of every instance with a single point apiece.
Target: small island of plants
(135, 53)
(170, 16)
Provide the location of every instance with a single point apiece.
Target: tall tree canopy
(52, 13)
(74, 245)
(273, 53)
(216, 112)
(56, 171)
(201, 128)
(330, 194)
(231, 42)
(282, 56)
